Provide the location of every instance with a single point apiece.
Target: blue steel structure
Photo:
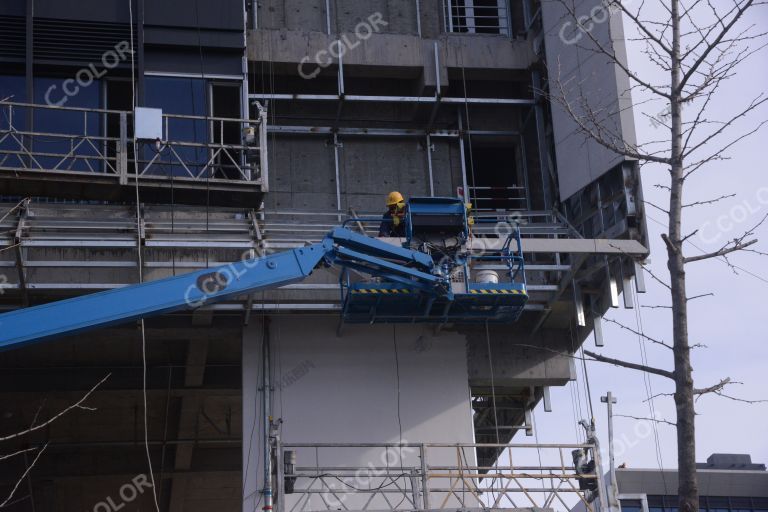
(425, 280)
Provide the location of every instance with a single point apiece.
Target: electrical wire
(468, 129)
(719, 258)
(648, 385)
(397, 374)
(256, 418)
(141, 266)
(493, 405)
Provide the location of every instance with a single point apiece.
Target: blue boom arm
(189, 291)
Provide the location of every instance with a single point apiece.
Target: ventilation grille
(77, 41)
(12, 38)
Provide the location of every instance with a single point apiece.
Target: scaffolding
(315, 477)
(92, 155)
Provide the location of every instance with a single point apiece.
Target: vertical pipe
(122, 150)
(140, 49)
(29, 71)
(263, 149)
(542, 143)
(602, 490)
(437, 71)
(328, 17)
(251, 458)
(463, 161)
(265, 382)
(524, 162)
(424, 477)
(448, 10)
(340, 75)
(429, 165)
(338, 177)
(245, 113)
(418, 17)
(279, 501)
(613, 501)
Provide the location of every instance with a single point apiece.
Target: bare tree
(39, 450)
(698, 45)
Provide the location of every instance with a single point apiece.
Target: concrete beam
(631, 248)
(395, 51)
(541, 360)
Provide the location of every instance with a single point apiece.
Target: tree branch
(711, 46)
(645, 419)
(643, 335)
(632, 366)
(722, 252)
(77, 405)
(21, 479)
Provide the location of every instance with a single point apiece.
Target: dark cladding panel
(206, 14)
(108, 11)
(583, 75)
(13, 8)
(188, 61)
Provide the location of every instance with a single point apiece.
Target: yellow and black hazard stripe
(498, 292)
(381, 291)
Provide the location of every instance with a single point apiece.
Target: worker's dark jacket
(388, 227)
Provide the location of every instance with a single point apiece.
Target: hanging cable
(577, 388)
(399, 418)
(493, 405)
(468, 130)
(397, 374)
(493, 384)
(141, 264)
(587, 389)
(648, 385)
(206, 109)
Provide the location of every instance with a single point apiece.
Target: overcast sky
(732, 324)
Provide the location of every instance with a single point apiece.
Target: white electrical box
(149, 123)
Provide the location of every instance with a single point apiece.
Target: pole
(613, 501)
(267, 419)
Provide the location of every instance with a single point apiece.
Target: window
(12, 89)
(477, 16)
(494, 176)
(190, 138)
(66, 127)
(631, 506)
(179, 97)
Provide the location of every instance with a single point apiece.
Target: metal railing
(498, 198)
(178, 239)
(477, 16)
(428, 476)
(96, 142)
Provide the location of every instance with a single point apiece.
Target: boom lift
(432, 277)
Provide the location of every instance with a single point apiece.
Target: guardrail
(474, 17)
(98, 142)
(315, 477)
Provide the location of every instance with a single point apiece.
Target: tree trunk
(688, 492)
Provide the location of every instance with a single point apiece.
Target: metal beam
(393, 99)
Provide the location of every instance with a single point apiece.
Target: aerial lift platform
(429, 278)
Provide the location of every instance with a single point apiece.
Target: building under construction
(145, 140)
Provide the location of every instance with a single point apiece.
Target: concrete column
(252, 479)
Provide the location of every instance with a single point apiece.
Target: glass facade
(12, 89)
(184, 97)
(66, 127)
(706, 504)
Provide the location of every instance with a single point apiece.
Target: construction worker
(393, 221)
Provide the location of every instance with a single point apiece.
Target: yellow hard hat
(394, 198)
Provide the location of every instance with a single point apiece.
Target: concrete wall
(581, 74)
(303, 175)
(346, 389)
